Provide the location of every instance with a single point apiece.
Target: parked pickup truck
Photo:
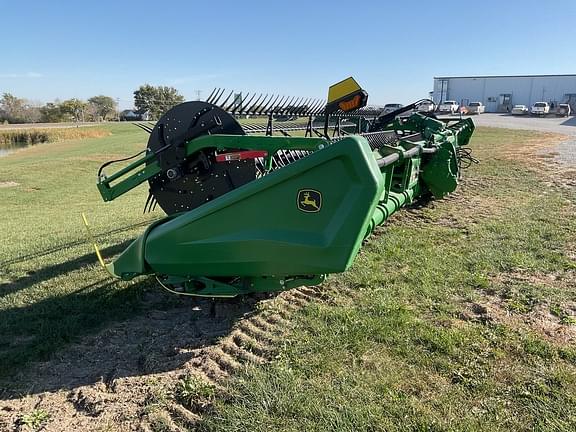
(563, 110)
(476, 108)
(426, 107)
(540, 108)
(388, 108)
(448, 107)
(519, 110)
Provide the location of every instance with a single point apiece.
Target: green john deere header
(252, 208)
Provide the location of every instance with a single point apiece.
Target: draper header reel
(251, 211)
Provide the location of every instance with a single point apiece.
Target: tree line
(153, 100)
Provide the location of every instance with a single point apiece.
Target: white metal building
(501, 93)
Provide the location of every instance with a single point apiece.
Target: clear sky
(63, 49)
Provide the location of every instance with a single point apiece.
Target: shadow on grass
(71, 244)
(103, 330)
(59, 269)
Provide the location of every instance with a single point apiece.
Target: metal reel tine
(317, 104)
(144, 127)
(287, 104)
(298, 108)
(290, 106)
(147, 202)
(270, 105)
(305, 107)
(209, 98)
(229, 107)
(235, 106)
(281, 107)
(263, 104)
(244, 106)
(254, 105)
(318, 107)
(296, 104)
(311, 107)
(276, 109)
(217, 97)
(223, 104)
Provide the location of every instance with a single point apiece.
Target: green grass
(52, 291)
(396, 355)
(191, 390)
(396, 349)
(35, 419)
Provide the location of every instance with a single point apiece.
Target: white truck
(448, 106)
(476, 108)
(388, 108)
(519, 110)
(426, 107)
(540, 109)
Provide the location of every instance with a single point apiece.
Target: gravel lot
(562, 125)
(564, 153)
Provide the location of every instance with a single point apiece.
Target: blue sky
(64, 49)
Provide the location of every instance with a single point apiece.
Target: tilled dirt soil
(123, 378)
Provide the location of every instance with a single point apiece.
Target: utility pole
(118, 109)
(198, 94)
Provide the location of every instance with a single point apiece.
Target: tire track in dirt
(149, 400)
(251, 342)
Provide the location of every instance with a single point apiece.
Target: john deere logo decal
(309, 200)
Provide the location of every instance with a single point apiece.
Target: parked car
(388, 108)
(540, 108)
(563, 110)
(519, 110)
(476, 108)
(426, 107)
(448, 107)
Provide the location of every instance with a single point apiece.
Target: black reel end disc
(188, 182)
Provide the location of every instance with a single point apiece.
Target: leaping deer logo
(309, 200)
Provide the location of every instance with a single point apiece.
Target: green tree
(12, 108)
(17, 110)
(156, 100)
(102, 106)
(52, 113)
(74, 109)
